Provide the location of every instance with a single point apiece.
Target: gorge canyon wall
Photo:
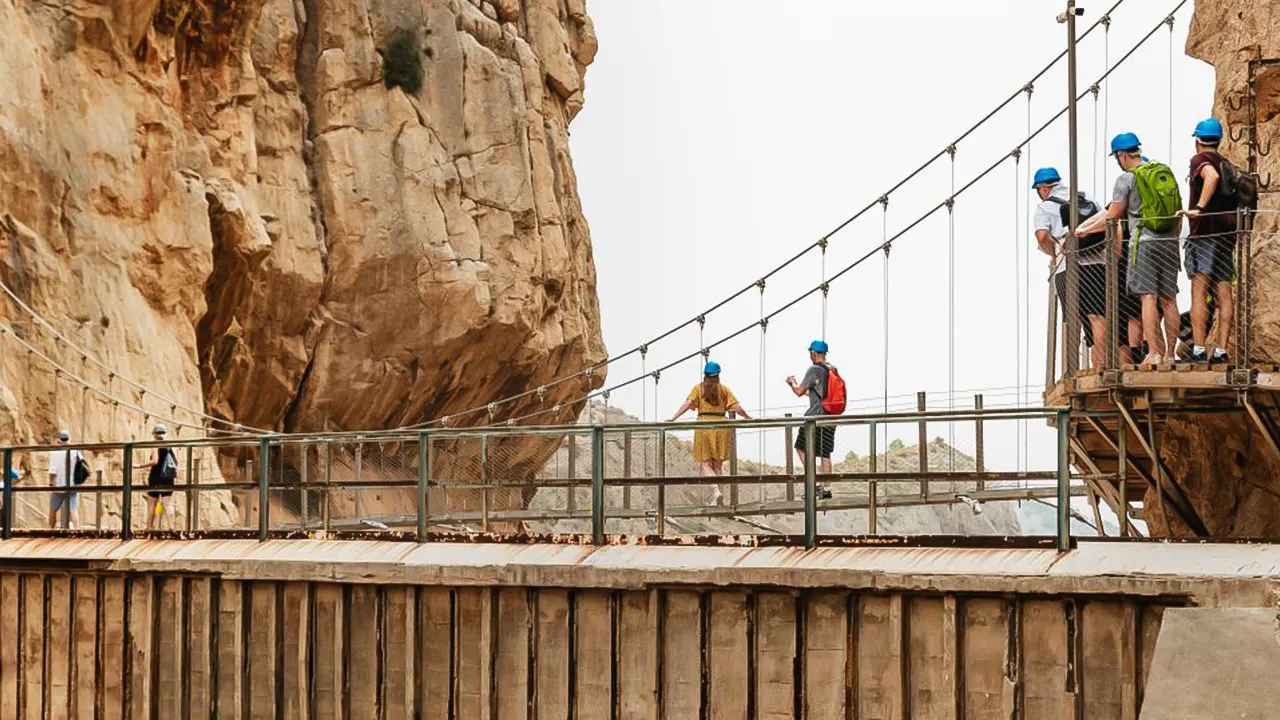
(223, 200)
(1223, 461)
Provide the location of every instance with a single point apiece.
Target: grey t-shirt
(815, 382)
(1126, 191)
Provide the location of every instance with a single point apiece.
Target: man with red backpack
(826, 391)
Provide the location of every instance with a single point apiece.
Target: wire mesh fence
(1154, 299)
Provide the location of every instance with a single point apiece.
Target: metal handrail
(597, 433)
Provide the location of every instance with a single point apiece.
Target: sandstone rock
(223, 202)
(1222, 461)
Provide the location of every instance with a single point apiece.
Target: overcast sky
(721, 137)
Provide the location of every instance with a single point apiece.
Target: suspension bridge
(1107, 448)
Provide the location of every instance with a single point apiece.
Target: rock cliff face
(1223, 462)
(222, 200)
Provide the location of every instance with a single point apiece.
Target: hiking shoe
(1221, 356)
(1195, 358)
(1153, 359)
(717, 497)
(823, 492)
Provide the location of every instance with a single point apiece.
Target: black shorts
(826, 440)
(1093, 296)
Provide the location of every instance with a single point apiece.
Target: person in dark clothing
(1210, 250)
(163, 470)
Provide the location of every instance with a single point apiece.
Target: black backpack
(168, 465)
(80, 475)
(1085, 210)
(1240, 187)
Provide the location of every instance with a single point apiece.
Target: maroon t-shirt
(1209, 224)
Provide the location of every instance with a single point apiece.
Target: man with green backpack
(1147, 192)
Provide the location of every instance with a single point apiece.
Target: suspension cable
(1170, 22)
(1106, 103)
(1025, 279)
(1025, 143)
(794, 258)
(86, 356)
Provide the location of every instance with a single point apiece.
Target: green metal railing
(437, 457)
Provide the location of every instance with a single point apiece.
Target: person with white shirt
(1051, 234)
(62, 464)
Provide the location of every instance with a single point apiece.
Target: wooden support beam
(1180, 503)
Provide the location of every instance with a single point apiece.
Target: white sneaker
(717, 497)
(1153, 359)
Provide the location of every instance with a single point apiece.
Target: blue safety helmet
(13, 474)
(1209, 129)
(818, 346)
(1125, 142)
(711, 368)
(1046, 176)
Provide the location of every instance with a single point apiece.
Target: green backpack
(1161, 198)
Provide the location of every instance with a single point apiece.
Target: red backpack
(834, 401)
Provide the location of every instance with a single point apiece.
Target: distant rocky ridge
(953, 519)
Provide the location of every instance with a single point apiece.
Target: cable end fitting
(1029, 88)
(826, 287)
(951, 150)
(760, 284)
(884, 201)
(950, 203)
(702, 320)
(1105, 21)
(1096, 90)
(823, 244)
(764, 323)
(1016, 153)
(644, 350)
(1170, 22)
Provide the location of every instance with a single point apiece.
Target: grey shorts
(1213, 257)
(55, 502)
(1154, 266)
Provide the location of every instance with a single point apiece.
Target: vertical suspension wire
(1095, 90)
(1017, 263)
(823, 282)
(1170, 22)
(764, 405)
(951, 309)
(884, 206)
(1025, 335)
(1106, 86)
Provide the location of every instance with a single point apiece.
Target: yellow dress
(712, 444)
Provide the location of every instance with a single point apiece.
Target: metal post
(597, 485)
(6, 523)
(1051, 342)
(791, 461)
(64, 517)
(195, 481)
(1110, 336)
(264, 479)
(733, 465)
(191, 494)
(1064, 480)
(424, 475)
(662, 488)
(97, 503)
(923, 446)
(1072, 336)
(306, 493)
(484, 482)
(1122, 473)
(571, 500)
(359, 479)
(626, 469)
(328, 478)
(872, 489)
(810, 485)
(244, 510)
(126, 506)
(979, 439)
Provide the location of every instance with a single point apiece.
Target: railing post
(597, 485)
(6, 523)
(97, 503)
(1064, 480)
(424, 475)
(662, 486)
(191, 494)
(979, 440)
(484, 482)
(810, 485)
(64, 515)
(195, 481)
(571, 500)
(1071, 336)
(626, 469)
(1122, 474)
(305, 499)
(922, 404)
(1111, 339)
(264, 497)
(126, 506)
(733, 465)
(873, 487)
(359, 479)
(790, 462)
(1051, 342)
(325, 510)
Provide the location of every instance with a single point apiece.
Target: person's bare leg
(1199, 309)
(1098, 353)
(1151, 325)
(53, 517)
(717, 467)
(1172, 320)
(151, 513)
(1226, 303)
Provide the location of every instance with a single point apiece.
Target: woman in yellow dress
(713, 401)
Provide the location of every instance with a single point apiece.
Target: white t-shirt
(58, 465)
(1049, 217)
